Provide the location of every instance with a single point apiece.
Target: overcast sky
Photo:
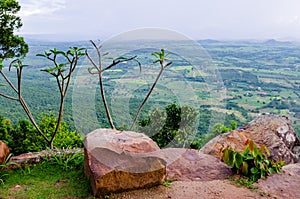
(198, 19)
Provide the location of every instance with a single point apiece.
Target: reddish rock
(191, 165)
(4, 152)
(283, 185)
(32, 158)
(117, 161)
(276, 132)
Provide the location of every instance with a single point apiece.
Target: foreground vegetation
(253, 163)
(59, 177)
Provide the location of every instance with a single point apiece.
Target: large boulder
(117, 161)
(276, 132)
(4, 152)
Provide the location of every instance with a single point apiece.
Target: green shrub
(66, 161)
(253, 162)
(175, 126)
(23, 137)
(64, 138)
(3, 168)
(5, 129)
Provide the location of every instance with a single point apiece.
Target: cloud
(40, 7)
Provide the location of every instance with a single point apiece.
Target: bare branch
(92, 61)
(8, 97)
(99, 69)
(8, 81)
(117, 62)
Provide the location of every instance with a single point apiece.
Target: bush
(5, 129)
(24, 138)
(64, 137)
(252, 163)
(174, 127)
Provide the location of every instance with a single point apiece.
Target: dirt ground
(194, 190)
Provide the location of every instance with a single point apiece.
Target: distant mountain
(276, 42)
(208, 41)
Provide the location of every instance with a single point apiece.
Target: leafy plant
(3, 168)
(242, 182)
(167, 182)
(253, 162)
(66, 161)
(174, 126)
(24, 138)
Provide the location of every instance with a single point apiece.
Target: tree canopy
(11, 45)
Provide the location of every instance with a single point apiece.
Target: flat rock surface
(283, 185)
(215, 189)
(191, 165)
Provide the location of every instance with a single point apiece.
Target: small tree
(98, 69)
(161, 57)
(175, 126)
(11, 45)
(62, 71)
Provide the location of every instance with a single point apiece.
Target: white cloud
(40, 7)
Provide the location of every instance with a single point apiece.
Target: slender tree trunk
(146, 98)
(29, 115)
(59, 120)
(105, 102)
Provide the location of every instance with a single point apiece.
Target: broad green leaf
(231, 158)
(248, 157)
(121, 58)
(156, 54)
(264, 148)
(271, 170)
(60, 52)
(16, 65)
(49, 70)
(40, 55)
(254, 170)
(267, 161)
(225, 155)
(244, 168)
(238, 160)
(246, 150)
(62, 65)
(251, 145)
